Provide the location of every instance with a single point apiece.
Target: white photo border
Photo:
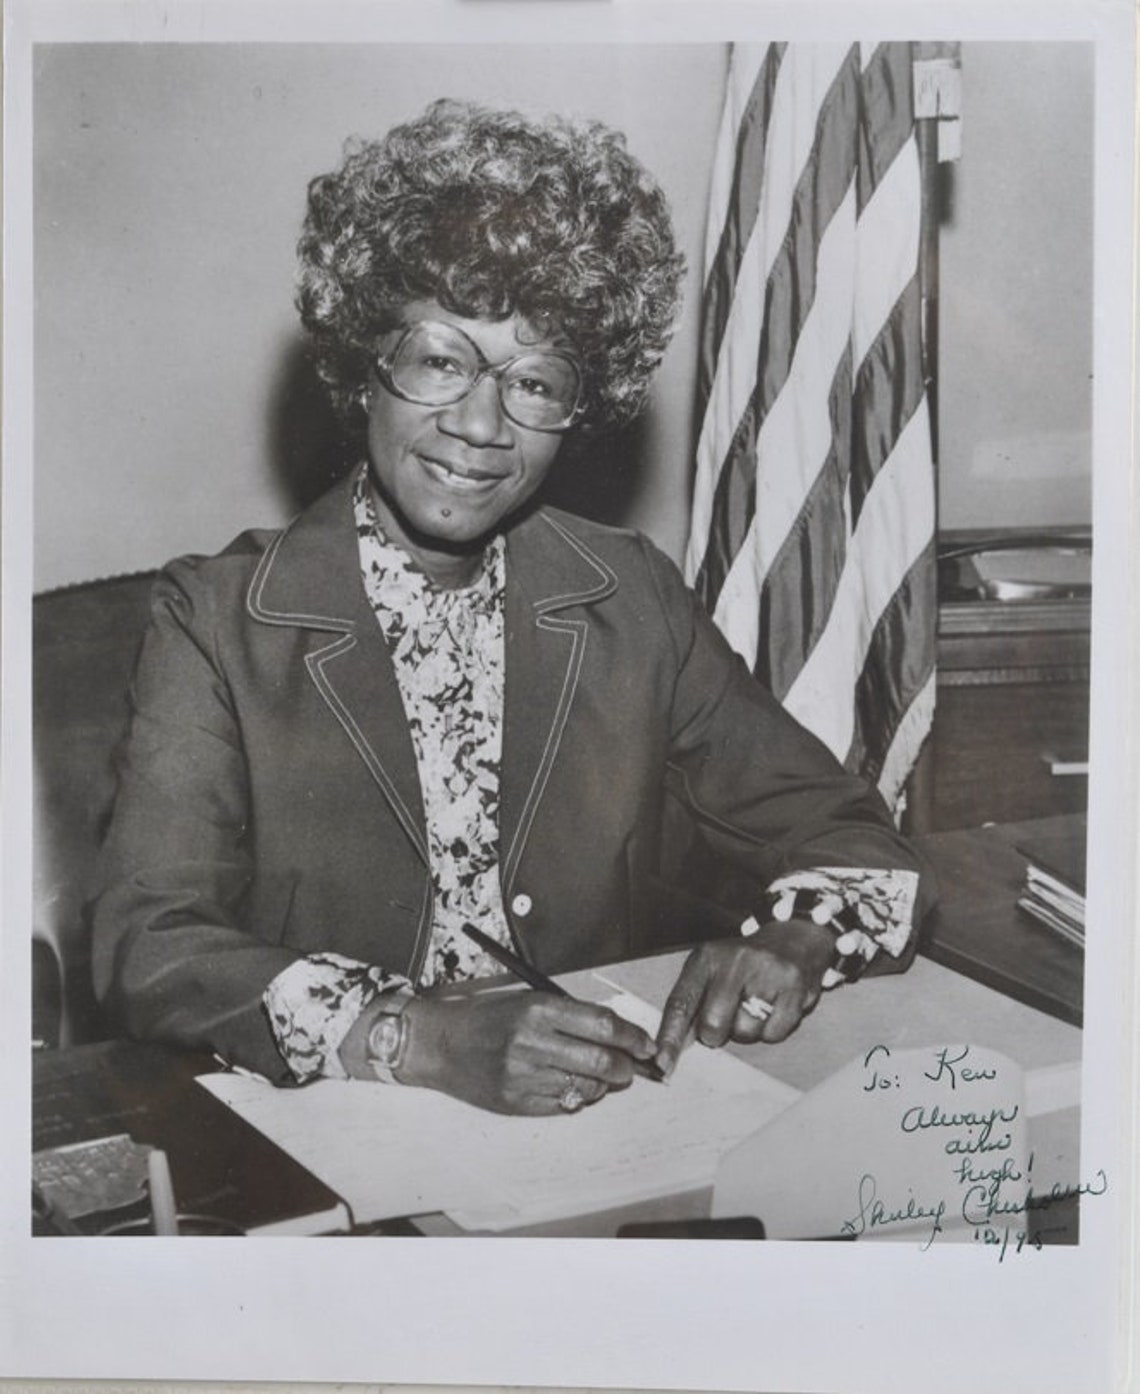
(567, 1312)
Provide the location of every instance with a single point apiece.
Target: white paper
(937, 1145)
(400, 1151)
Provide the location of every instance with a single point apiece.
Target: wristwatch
(387, 1042)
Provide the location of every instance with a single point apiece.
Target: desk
(928, 1005)
(221, 1166)
(1013, 691)
(977, 928)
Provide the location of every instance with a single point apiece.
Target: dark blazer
(269, 805)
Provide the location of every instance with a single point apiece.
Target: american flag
(812, 532)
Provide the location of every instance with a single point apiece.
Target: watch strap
(387, 1042)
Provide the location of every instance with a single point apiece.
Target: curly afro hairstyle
(492, 214)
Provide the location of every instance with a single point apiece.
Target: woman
(431, 704)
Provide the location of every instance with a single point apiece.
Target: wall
(173, 403)
(1016, 316)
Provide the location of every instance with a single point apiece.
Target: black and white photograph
(566, 674)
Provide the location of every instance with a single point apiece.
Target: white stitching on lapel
(257, 585)
(315, 663)
(605, 586)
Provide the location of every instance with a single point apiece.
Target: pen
(161, 1193)
(648, 1069)
(237, 1069)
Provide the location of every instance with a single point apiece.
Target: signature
(981, 1203)
(980, 1206)
(875, 1213)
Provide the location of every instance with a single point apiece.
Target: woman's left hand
(778, 973)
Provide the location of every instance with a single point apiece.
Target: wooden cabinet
(1011, 719)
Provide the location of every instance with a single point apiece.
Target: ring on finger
(571, 1099)
(758, 1007)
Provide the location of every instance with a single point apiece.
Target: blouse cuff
(867, 910)
(313, 1004)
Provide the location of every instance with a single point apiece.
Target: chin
(460, 532)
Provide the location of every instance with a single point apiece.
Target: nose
(478, 418)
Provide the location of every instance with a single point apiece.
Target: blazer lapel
(549, 571)
(310, 578)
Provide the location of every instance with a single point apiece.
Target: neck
(448, 566)
(449, 571)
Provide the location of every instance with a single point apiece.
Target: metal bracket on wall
(938, 98)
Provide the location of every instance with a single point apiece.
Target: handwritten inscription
(889, 1080)
(945, 1069)
(980, 1203)
(985, 1140)
(987, 1188)
(874, 1212)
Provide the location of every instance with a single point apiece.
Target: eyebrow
(559, 344)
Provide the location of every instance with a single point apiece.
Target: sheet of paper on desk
(393, 1151)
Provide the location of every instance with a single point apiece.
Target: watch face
(384, 1040)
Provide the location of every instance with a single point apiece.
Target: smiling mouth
(464, 480)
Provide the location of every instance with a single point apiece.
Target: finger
(565, 1084)
(536, 1106)
(787, 1012)
(546, 1092)
(718, 1010)
(681, 1010)
(811, 997)
(613, 1068)
(587, 1022)
(750, 1020)
(578, 1038)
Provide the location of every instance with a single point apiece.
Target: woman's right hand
(520, 1052)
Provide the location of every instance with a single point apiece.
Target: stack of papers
(394, 1151)
(1055, 902)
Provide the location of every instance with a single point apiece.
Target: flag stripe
(795, 437)
(788, 298)
(893, 698)
(898, 665)
(805, 77)
(888, 115)
(897, 522)
(889, 389)
(811, 538)
(888, 249)
(745, 61)
(739, 217)
(798, 591)
(907, 742)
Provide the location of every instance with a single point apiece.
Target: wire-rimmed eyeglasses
(436, 364)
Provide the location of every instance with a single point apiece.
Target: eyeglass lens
(436, 364)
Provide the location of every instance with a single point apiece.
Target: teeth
(469, 480)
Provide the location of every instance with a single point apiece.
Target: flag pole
(926, 134)
(937, 113)
(937, 110)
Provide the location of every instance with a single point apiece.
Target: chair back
(85, 640)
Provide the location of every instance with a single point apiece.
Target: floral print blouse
(447, 648)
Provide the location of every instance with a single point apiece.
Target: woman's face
(446, 477)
